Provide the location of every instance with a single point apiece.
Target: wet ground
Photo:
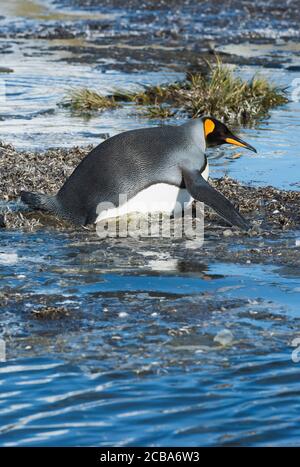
(138, 341)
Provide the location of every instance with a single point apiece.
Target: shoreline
(269, 209)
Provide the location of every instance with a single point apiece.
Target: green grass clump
(84, 99)
(219, 93)
(229, 97)
(152, 95)
(158, 111)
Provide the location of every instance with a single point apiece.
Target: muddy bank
(270, 210)
(152, 35)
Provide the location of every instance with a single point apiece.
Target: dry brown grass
(84, 99)
(219, 93)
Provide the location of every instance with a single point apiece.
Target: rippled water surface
(144, 342)
(31, 115)
(137, 358)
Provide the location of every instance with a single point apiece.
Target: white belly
(160, 197)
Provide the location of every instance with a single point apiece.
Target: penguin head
(217, 133)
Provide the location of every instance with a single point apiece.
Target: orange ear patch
(209, 126)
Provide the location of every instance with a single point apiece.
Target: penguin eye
(209, 126)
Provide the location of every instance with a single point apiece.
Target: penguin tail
(38, 201)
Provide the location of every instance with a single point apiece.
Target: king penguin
(166, 163)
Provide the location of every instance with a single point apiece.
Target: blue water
(276, 140)
(211, 406)
(135, 361)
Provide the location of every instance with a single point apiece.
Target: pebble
(227, 233)
(224, 337)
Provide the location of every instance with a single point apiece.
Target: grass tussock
(219, 92)
(158, 111)
(229, 97)
(87, 100)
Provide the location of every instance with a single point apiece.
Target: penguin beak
(239, 142)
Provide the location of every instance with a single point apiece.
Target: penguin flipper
(201, 190)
